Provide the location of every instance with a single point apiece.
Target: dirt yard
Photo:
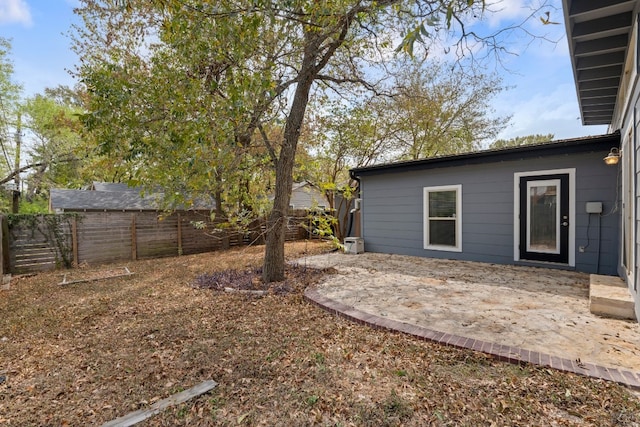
(89, 352)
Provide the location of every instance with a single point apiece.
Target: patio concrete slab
(518, 314)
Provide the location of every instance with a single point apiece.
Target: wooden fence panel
(42, 243)
(197, 240)
(4, 245)
(106, 237)
(156, 235)
(296, 228)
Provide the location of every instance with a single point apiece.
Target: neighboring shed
(112, 197)
(305, 195)
(65, 200)
(554, 204)
(113, 186)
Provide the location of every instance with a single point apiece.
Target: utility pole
(16, 191)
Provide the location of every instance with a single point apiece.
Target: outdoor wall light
(613, 157)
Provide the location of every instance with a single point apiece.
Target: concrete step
(610, 297)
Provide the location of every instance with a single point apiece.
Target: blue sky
(40, 48)
(543, 98)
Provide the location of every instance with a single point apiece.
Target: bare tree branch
(15, 172)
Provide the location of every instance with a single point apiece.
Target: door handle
(565, 223)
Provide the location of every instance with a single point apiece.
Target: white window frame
(458, 218)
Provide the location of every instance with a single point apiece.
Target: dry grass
(86, 353)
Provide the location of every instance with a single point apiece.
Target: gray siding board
(390, 229)
(598, 183)
(485, 208)
(592, 194)
(402, 246)
(503, 237)
(393, 218)
(474, 218)
(392, 209)
(474, 196)
(402, 235)
(399, 193)
(478, 194)
(393, 205)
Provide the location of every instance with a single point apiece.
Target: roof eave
(598, 36)
(568, 146)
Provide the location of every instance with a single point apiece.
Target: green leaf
(423, 30)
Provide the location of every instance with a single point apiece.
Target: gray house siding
(392, 209)
(629, 123)
(617, 73)
(633, 124)
(597, 182)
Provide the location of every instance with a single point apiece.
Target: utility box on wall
(593, 207)
(354, 245)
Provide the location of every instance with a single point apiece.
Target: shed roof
(66, 199)
(567, 146)
(130, 200)
(113, 186)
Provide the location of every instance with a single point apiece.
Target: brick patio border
(504, 353)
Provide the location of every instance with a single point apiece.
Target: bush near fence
(32, 243)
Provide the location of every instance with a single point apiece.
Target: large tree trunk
(314, 59)
(273, 267)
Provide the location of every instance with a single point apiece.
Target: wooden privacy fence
(32, 243)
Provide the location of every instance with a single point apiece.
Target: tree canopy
(10, 93)
(183, 90)
(522, 140)
(40, 138)
(55, 134)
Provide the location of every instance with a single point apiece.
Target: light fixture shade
(613, 157)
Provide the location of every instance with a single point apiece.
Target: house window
(443, 218)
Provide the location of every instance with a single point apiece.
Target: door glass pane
(543, 217)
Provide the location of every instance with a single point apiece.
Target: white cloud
(15, 11)
(500, 12)
(554, 111)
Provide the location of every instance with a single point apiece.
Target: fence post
(226, 243)
(134, 249)
(179, 235)
(74, 240)
(4, 245)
